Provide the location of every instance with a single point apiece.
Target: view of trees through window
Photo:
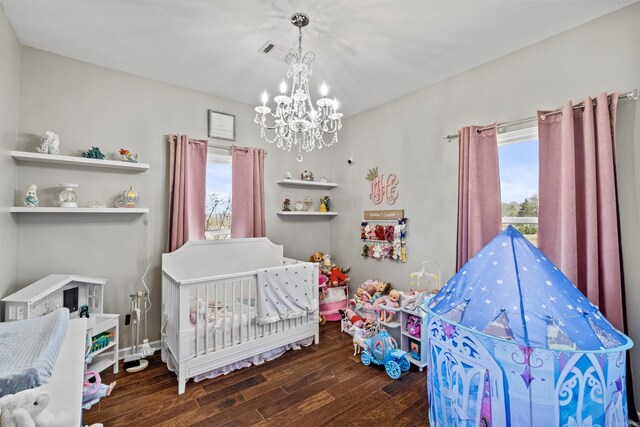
(519, 186)
(218, 201)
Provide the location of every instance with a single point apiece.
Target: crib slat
(233, 313)
(206, 329)
(197, 319)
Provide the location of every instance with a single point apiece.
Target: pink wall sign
(381, 188)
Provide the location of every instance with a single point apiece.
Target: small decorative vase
(68, 197)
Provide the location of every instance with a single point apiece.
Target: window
(518, 157)
(218, 202)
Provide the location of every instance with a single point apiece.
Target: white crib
(209, 311)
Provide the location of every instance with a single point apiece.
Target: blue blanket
(28, 350)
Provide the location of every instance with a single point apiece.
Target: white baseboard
(124, 352)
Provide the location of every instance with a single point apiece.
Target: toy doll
(381, 288)
(391, 300)
(349, 315)
(359, 339)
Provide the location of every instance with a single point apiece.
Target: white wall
(9, 86)
(89, 106)
(404, 136)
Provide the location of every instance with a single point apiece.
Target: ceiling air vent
(272, 50)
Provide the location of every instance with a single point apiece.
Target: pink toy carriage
(334, 299)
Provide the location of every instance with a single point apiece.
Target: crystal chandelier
(296, 120)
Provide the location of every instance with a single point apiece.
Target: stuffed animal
(316, 257)
(336, 274)
(28, 408)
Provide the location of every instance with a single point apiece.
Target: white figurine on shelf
(288, 176)
(50, 144)
(31, 197)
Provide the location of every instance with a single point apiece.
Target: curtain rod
(226, 147)
(633, 94)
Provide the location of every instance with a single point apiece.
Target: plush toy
(316, 257)
(336, 274)
(391, 300)
(28, 408)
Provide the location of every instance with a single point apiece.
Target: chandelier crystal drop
(296, 120)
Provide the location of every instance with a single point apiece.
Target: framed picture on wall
(222, 125)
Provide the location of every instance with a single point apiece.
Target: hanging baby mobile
(381, 188)
(384, 235)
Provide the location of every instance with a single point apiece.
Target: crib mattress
(29, 349)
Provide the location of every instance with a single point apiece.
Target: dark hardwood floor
(316, 386)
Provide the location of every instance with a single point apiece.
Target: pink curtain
(187, 186)
(578, 215)
(479, 209)
(247, 192)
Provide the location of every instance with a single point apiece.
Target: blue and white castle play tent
(512, 342)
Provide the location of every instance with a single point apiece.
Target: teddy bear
(28, 408)
(336, 274)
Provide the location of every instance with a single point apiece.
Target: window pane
(519, 186)
(218, 201)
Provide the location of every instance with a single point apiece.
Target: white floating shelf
(20, 209)
(302, 183)
(25, 156)
(306, 213)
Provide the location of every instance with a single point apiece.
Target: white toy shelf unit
(55, 291)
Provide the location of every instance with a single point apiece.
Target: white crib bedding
(245, 363)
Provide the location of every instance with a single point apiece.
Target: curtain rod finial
(635, 94)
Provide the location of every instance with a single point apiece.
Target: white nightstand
(108, 355)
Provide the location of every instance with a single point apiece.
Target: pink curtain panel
(479, 208)
(578, 215)
(247, 190)
(187, 187)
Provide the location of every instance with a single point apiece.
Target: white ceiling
(368, 51)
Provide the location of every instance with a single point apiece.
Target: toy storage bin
(101, 341)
